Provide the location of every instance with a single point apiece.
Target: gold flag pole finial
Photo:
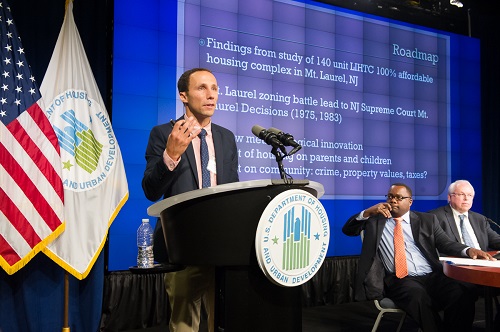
(66, 4)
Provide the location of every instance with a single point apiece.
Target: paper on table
(470, 261)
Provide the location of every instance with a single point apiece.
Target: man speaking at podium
(181, 156)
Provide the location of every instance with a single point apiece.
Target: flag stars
(17, 102)
(3, 101)
(9, 34)
(32, 91)
(7, 61)
(8, 48)
(20, 50)
(32, 79)
(67, 165)
(5, 87)
(3, 113)
(19, 76)
(9, 22)
(5, 74)
(20, 63)
(19, 89)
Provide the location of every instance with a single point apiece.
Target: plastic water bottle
(145, 257)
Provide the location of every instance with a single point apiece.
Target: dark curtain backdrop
(485, 25)
(32, 299)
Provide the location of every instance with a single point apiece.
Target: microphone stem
(279, 160)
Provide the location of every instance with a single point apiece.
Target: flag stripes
(31, 189)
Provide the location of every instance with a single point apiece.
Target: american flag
(31, 190)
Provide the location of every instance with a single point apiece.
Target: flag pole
(66, 276)
(66, 303)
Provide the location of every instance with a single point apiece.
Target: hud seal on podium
(292, 238)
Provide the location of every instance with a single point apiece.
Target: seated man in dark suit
(463, 225)
(414, 281)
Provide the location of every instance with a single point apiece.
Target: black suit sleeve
(353, 226)
(157, 176)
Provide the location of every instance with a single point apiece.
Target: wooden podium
(217, 226)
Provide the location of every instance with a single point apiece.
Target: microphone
(492, 222)
(268, 137)
(286, 139)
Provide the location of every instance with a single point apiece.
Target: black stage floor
(352, 317)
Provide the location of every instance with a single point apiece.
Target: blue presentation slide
(371, 101)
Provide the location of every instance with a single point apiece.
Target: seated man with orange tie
(407, 269)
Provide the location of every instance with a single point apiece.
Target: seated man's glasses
(398, 198)
(462, 195)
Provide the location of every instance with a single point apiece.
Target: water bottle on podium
(145, 257)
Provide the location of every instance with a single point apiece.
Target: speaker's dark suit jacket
(488, 239)
(159, 181)
(428, 235)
